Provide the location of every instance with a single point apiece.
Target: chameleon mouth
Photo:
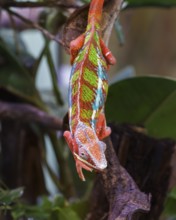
(85, 162)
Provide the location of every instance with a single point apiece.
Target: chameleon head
(90, 150)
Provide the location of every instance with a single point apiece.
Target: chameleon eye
(83, 154)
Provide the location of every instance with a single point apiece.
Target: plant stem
(65, 172)
(53, 76)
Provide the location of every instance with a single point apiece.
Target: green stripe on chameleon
(74, 89)
(86, 114)
(105, 85)
(88, 27)
(97, 25)
(93, 55)
(90, 76)
(87, 38)
(75, 77)
(73, 109)
(103, 62)
(73, 121)
(96, 37)
(81, 55)
(87, 94)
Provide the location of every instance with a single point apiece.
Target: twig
(66, 178)
(36, 26)
(27, 113)
(54, 79)
(53, 176)
(111, 13)
(39, 59)
(29, 4)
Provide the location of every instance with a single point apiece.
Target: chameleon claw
(80, 173)
(81, 165)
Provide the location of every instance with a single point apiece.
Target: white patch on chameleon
(93, 117)
(107, 53)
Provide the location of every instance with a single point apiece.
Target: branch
(123, 194)
(110, 14)
(115, 194)
(36, 26)
(27, 113)
(76, 24)
(29, 4)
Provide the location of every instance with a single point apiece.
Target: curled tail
(95, 10)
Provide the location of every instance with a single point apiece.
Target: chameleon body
(88, 88)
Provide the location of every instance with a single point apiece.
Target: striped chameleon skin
(88, 83)
(88, 89)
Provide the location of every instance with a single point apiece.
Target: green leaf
(159, 3)
(35, 212)
(149, 101)
(172, 194)
(48, 209)
(65, 213)
(9, 196)
(81, 207)
(59, 200)
(170, 203)
(16, 79)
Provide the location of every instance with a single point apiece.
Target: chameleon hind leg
(110, 59)
(102, 130)
(75, 46)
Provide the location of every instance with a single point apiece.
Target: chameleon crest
(88, 88)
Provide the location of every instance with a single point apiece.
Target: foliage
(14, 77)
(170, 204)
(137, 101)
(48, 209)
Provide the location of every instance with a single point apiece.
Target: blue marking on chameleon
(70, 96)
(100, 99)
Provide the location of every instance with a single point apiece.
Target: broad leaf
(149, 101)
(67, 213)
(15, 78)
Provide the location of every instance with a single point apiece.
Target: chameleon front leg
(74, 149)
(75, 46)
(102, 130)
(111, 60)
(68, 137)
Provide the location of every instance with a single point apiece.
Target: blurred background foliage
(38, 177)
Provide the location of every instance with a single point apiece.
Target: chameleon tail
(95, 11)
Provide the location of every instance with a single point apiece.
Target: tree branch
(36, 26)
(27, 113)
(29, 4)
(115, 194)
(123, 194)
(110, 14)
